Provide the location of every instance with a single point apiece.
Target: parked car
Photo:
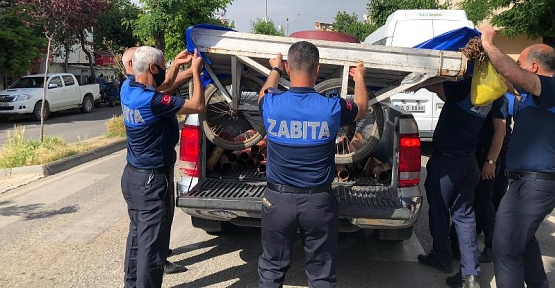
(63, 92)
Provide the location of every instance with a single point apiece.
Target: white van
(408, 28)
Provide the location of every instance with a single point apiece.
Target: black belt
(298, 190)
(439, 153)
(164, 170)
(533, 175)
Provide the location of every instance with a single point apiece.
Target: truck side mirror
(52, 85)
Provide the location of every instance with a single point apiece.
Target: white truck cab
(408, 28)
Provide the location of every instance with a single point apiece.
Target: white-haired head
(145, 55)
(127, 59)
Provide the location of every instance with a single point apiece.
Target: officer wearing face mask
(147, 181)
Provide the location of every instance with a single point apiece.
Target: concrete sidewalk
(12, 178)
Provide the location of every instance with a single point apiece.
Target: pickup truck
(386, 200)
(24, 96)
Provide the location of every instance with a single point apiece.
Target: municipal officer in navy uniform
(147, 181)
(182, 77)
(492, 138)
(301, 127)
(452, 177)
(530, 164)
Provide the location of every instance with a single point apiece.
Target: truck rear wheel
(37, 111)
(356, 141)
(87, 105)
(210, 226)
(395, 234)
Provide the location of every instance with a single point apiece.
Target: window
(56, 80)
(68, 80)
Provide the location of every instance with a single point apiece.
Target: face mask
(160, 77)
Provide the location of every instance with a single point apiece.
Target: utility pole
(266, 18)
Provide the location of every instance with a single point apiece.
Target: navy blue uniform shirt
(532, 146)
(125, 84)
(301, 127)
(499, 110)
(460, 122)
(151, 126)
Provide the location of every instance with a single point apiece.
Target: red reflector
(409, 160)
(189, 150)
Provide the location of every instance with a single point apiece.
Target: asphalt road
(70, 125)
(69, 230)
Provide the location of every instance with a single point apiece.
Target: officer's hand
(488, 171)
(183, 57)
(487, 34)
(277, 62)
(358, 72)
(197, 62)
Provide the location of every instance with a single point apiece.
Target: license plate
(414, 108)
(4, 104)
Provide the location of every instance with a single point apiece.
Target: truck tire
(37, 111)
(222, 125)
(87, 105)
(396, 235)
(369, 127)
(210, 226)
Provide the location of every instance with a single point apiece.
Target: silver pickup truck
(24, 96)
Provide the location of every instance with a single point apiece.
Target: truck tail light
(409, 160)
(189, 150)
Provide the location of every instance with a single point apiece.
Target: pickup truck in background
(378, 158)
(64, 92)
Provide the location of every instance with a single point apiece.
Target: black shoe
(470, 281)
(454, 281)
(171, 268)
(170, 252)
(430, 260)
(486, 256)
(457, 281)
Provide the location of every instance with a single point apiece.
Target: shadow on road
(31, 211)
(360, 265)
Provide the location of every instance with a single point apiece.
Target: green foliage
(378, 10)
(345, 23)
(266, 27)
(164, 22)
(116, 26)
(532, 17)
(20, 43)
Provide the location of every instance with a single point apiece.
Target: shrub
(115, 127)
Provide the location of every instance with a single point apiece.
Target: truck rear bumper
(363, 206)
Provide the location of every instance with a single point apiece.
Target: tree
(532, 17)
(21, 44)
(115, 26)
(167, 20)
(378, 10)
(350, 24)
(266, 27)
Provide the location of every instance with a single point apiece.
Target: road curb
(65, 163)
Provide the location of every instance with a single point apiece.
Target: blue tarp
(205, 77)
(450, 41)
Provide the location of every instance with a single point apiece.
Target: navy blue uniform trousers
(483, 201)
(150, 205)
(315, 216)
(450, 185)
(517, 256)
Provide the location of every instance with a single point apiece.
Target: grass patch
(19, 152)
(115, 127)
